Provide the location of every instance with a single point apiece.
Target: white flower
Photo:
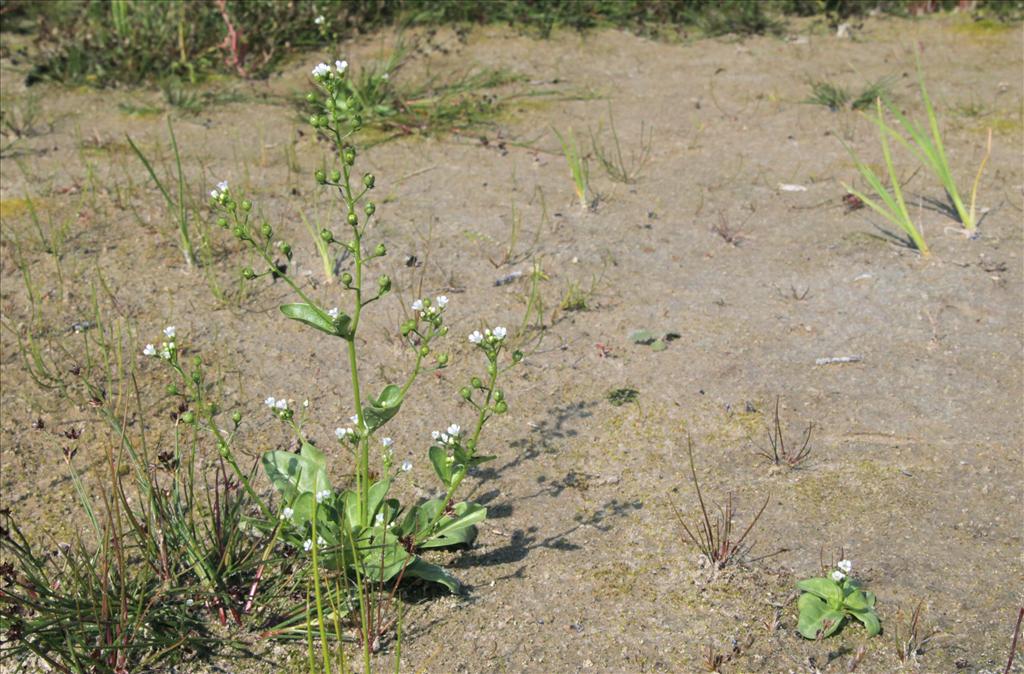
(320, 542)
(442, 301)
(169, 332)
(845, 565)
(499, 333)
(281, 404)
(215, 194)
(270, 401)
(417, 305)
(342, 433)
(476, 337)
(319, 20)
(321, 70)
(387, 442)
(445, 438)
(323, 495)
(406, 466)
(287, 513)
(308, 545)
(165, 351)
(341, 66)
(150, 350)
(838, 576)
(354, 418)
(454, 430)
(379, 519)
(435, 434)
(305, 403)
(386, 76)
(223, 186)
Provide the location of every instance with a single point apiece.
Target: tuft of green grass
(579, 167)
(889, 205)
(612, 159)
(836, 98)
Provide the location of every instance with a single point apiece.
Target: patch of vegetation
(835, 98)
(622, 396)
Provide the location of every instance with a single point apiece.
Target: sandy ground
(581, 566)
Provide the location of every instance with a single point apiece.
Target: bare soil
(916, 470)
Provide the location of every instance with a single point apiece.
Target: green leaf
(642, 337)
(816, 617)
(870, 620)
(439, 457)
(458, 530)
(658, 345)
(380, 410)
(825, 588)
(432, 573)
(858, 601)
(295, 474)
(377, 492)
(314, 317)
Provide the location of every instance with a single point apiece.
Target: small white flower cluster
(320, 20)
(167, 348)
(287, 514)
(276, 404)
(323, 495)
(320, 543)
(344, 433)
(449, 437)
(333, 313)
(406, 466)
(221, 193)
(428, 310)
(489, 337)
(322, 71)
(845, 566)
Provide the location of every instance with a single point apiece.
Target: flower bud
(222, 447)
(230, 205)
(368, 181)
(326, 236)
(311, 97)
(424, 350)
(407, 327)
(442, 360)
(238, 232)
(246, 205)
(466, 392)
(501, 407)
(471, 445)
(330, 104)
(188, 418)
(323, 120)
(266, 230)
(370, 208)
(172, 390)
(197, 376)
(499, 395)
(212, 408)
(475, 381)
(346, 278)
(197, 361)
(335, 176)
(384, 284)
(236, 418)
(349, 156)
(287, 250)
(492, 369)
(222, 222)
(353, 219)
(314, 121)
(248, 274)
(443, 331)
(380, 251)
(320, 176)
(517, 356)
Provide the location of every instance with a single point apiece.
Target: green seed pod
(287, 250)
(330, 104)
(499, 395)
(212, 409)
(353, 219)
(230, 205)
(172, 390)
(369, 180)
(335, 176)
(320, 176)
(517, 356)
(346, 278)
(442, 360)
(197, 361)
(471, 445)
(443, 331)
(236, 418)
(407, 327)
(248, 274)
(188, 418)
(314, 121)
(501, 407)
(311, 97)
(197, 376)
(222, 447)
(492, 369)
(475, 381)
(222, 222)
(466, 392)
(381, 250)
(238, 232)
(323, 120)
(246, 205)
(266, 230)
(370, 208)
(383, 284)
(326, 236)
(350, 156)
(424, 350)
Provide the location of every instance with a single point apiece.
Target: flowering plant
(362, 530)
(826, 603)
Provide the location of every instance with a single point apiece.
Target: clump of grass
(835, 98)
(777, 452)
(929, 149)
(889, 205)
(910, 644)
(716, 540)
(579, 167)
(575, 298)
(612, 159)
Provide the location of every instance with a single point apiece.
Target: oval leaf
(314, 317)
